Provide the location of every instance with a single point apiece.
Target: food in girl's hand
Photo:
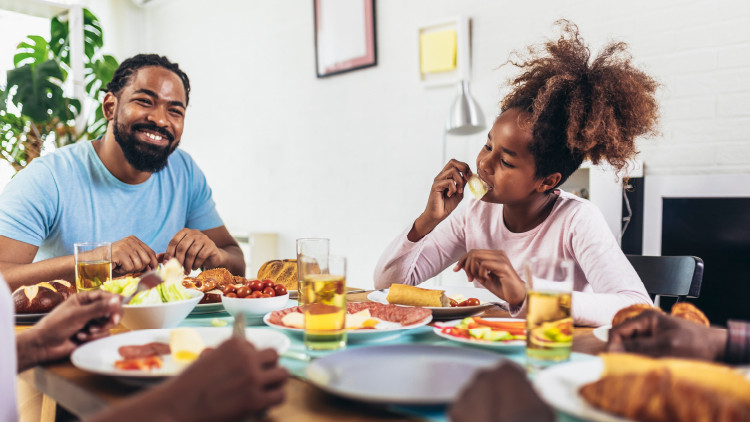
(280, 271)
(476, 328)
(356, 317)
(403, 294)
(478, 187)
(669, 389)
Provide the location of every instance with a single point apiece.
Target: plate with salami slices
(367, 321)
(99, 356)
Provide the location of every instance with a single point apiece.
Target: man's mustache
(153, 128)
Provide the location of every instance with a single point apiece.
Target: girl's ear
(109, 104)
(549, 182)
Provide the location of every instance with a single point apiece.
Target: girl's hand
(494, 271)
(446, 193)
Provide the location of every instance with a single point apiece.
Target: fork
(148, 281)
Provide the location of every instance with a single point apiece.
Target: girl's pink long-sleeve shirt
(603, 281)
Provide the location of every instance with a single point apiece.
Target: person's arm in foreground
(500, 394)
(656, 334)
(82, 317)
(206, 249)
(229, 383)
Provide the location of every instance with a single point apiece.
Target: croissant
(632, 311)
(688, 311)
(655, 390)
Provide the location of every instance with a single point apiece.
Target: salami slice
(143, 350)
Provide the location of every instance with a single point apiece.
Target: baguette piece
(403, 294)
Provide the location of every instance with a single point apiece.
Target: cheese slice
(185, 344)
(294, 320)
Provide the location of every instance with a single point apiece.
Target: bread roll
(402, 294)
(689, 312)
(632, 311)
(282, 271)
(222, 276)
(36, 299)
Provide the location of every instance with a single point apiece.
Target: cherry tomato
(231, 295)
(265, 295)
(472, 302)
(255, 294)
(243, 291)
(229, 289)
(269, 291)
(280, 290)
(255, 285)
(268, 283)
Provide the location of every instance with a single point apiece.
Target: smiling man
(132, 187)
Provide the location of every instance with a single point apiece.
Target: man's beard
(144, 156)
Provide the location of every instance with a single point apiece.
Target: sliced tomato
(139, 364)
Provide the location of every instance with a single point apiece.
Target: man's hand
(131, 255)
(194, 250)
(494, 271)
(503, 393)
(657, 334)
(82, 317)
(228, 383)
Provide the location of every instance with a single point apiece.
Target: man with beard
(132, 187)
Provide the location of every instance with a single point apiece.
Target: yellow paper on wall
(437, 51)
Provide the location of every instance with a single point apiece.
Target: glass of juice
(93, 264)
(324, 304)
(549, 324)
(316, 249)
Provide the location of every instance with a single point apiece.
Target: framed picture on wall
(344, 36)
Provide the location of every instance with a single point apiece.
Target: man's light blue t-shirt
(69, 196)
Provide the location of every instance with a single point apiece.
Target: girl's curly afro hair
(582, 109)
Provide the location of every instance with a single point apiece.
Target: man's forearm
(235, 260)
(17, 275)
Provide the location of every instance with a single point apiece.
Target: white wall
(352, 157)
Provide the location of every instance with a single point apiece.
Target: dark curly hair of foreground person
(582, 109)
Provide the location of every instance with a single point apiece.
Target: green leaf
(39, 95)
(34, 51)
(59, 40)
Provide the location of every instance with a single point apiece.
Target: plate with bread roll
(627, 387)
(37, 300)
(684, 310)
(445, 302)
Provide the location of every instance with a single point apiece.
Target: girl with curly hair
(563, 108)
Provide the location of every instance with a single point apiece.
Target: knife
(238, 328)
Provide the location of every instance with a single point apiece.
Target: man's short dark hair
(129, 67)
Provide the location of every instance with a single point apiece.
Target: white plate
(559, 385)
(402, 374)
(29, 318)
(512, 344)
(207, 308)
(390, 330)
(483, 295)
(602, 333)
(99, 356)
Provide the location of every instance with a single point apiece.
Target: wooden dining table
(84, 394)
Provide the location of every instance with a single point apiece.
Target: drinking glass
(93, 264)
(316, 249)
(549, 324)
(324, 303)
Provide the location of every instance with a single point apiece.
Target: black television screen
(718, 231)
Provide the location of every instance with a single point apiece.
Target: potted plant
(35, 112)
